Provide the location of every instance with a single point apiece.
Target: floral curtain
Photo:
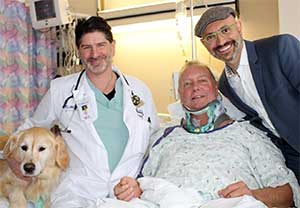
(27, 64)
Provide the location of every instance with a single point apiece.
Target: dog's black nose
(29, 167)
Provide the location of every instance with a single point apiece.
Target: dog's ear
(62, 156)
(55, 130)
(3, 141)
(11, 144)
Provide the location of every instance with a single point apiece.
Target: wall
(153, 52)
(260, 18)
(289, 16)
(84, 7)
(151, 55)
(111, 4)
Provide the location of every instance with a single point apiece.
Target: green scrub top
(110, 125)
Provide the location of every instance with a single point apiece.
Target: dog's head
(35, 149)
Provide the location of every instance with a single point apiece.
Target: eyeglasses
(223, 31)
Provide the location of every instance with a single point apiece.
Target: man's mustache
(225, 44)
(95, 59)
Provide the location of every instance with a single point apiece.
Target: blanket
(159, 193)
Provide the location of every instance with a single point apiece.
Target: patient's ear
(11, 144)
(62, 156)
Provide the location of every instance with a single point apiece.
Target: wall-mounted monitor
(49, 13)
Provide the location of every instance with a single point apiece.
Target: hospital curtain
(27, 63)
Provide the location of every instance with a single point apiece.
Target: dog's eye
(24, 147)
(41, 149)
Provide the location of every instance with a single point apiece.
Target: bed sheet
(159, 193)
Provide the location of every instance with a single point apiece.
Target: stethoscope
(136, 100)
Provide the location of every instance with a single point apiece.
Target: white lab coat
(89, 178)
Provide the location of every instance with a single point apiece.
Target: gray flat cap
(211, 15)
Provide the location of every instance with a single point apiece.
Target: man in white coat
(106, 119)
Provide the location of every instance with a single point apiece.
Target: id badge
(84, 109)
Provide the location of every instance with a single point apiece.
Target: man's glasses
(223, 31)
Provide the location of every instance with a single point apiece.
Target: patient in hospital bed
(209, 160)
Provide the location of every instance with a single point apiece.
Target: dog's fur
(3, 141)
(42, 156)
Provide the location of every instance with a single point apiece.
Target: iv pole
(192, 31)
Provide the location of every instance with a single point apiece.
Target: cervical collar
(213, 110)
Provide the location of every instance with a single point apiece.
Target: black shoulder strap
(165, 134)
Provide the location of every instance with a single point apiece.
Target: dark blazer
(275, 67)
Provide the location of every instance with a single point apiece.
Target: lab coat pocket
(88, 187)
(144, 138)
(137, 144)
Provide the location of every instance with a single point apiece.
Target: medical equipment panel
(49, 13)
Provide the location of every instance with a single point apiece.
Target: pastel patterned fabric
(210, 162)
(27, 63)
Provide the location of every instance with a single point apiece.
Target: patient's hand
(127, 189)
(235, 190)
(15, 167)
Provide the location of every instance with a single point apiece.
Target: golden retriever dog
(3, 140)
(41, 155)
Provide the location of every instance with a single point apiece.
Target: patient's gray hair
(195, 63)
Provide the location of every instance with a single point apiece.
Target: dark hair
(93, 24)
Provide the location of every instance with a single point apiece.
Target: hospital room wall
(152, 53)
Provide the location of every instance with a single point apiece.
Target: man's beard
(99, 69)
(237, 44)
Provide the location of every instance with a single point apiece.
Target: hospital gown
(211, 161)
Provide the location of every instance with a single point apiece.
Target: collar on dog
(39, 203)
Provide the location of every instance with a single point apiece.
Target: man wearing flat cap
(261, 78)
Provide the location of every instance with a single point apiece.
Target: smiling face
(228, 46)
(197, 87)
(96, 52)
